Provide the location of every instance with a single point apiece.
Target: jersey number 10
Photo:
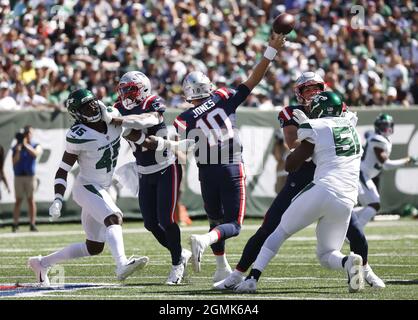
(217, 127)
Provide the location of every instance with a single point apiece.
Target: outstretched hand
(106, 116)
(277, 41)
(299, 116)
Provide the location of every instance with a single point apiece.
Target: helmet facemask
(89, 112)
(134, 87)
(304, 96)
(197, 86)
(129, 95)
(384, 128)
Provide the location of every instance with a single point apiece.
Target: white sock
(263, 258)
(333, 260)
(270, 248)
(221, 261)
(114, 239)
(365, 214)
(213, 237)
(73, 251)
(238, 273)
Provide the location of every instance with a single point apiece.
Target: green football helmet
(326, 104)
(384, 124)
(83, 106)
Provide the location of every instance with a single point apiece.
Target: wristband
(141, 139)
(60, 181)
(270, 53)
(58, 196)
(64, 166)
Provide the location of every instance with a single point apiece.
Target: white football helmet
(133, 88)
(306, 79)
(197, 85)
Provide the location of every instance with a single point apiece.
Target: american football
(284, 23)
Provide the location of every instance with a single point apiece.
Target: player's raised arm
(60, 183)
(275, 44)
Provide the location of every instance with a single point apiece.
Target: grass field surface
(293, 274)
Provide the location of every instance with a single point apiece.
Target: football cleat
(185, 255)
(198, 247)
(41, 273)
(132, 265)
(355, 273)
(222, 273)
(230, 282)
(176, 274)
(179, 272)
(372, 279)
(246, 286)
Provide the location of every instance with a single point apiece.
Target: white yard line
(186, 229)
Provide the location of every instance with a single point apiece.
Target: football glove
(352, 116)
(55, 210)
(299, 116)
(106, 116)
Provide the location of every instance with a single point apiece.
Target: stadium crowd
(48, 48)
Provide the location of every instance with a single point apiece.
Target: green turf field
(293, 274)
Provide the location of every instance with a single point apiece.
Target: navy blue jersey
(212, 124)
(149, 161)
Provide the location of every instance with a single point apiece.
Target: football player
(159, 172)
(94, 141)
(307, 86)
(333, 143)
(211, 121)
(375, 159)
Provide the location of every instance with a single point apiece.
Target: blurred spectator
(25, 153)
(6, 101)
(93, 42)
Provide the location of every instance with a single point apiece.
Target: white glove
(55, 210)
(106, 116)
(299, 116)
(352, 116)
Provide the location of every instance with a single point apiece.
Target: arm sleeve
(377, 143)
(139, 122)
(234, 97)
(393, 164)
(72, 148)
(306, 132)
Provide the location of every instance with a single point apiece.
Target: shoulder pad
(225, 93)
(78, 134)
(286, 114)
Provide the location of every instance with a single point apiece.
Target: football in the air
(283, 23)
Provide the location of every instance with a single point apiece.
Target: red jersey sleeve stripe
(180, 124)
(223, 92)
(147, 101)
(286, 114)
